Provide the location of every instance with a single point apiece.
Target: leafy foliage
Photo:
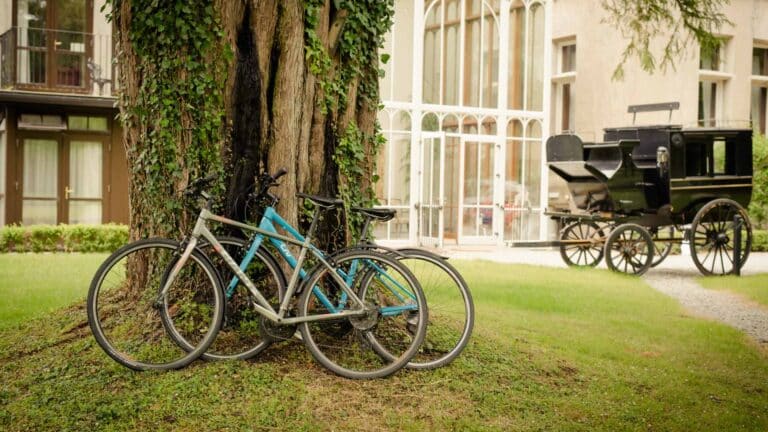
(178, 108)
(350, 157)
(364, 26)
(676, 22)
(758, 207)
(759, 241)
(355, 57)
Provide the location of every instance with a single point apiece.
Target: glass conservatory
(464, 103)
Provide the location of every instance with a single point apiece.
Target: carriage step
(534, 243)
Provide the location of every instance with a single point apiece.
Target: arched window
(461, 52)
(516, 69)
(535, 72)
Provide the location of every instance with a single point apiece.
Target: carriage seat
(605, 157)
(571, 158)
(565, 148)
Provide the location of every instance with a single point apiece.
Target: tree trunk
(276, 112)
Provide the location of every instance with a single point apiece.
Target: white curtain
(85, 181)
(40, 181)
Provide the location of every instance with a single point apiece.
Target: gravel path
(675, 277)
(731, 309)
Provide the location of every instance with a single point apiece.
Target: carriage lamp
(662, 160)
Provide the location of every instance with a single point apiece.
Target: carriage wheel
(582, 254)
(712, 237)
(629, 249)
(662, 248)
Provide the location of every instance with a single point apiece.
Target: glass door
(40, 180)
(69, 34)
(432, 190)
(522, 185)
(83, 193)
(53, 43)
(477, 207)
(61, 180)
(32, 42)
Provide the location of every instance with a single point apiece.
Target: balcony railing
(59, 61)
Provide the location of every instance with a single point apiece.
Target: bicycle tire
(131, 275)
(402, 337)
(450, 304)
(240, 335)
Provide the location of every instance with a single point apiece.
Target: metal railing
(59, 61)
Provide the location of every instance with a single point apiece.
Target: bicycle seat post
(364, 232)
(313, 224)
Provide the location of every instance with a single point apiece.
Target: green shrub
(67, 238)
(760, 241)
(758, 207)
(44, 238)
(11, 237)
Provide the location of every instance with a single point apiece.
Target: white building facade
(473, 88)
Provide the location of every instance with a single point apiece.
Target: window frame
(563, 83)
(760, 82)
(720, 77)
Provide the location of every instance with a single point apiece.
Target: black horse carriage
(646, 188)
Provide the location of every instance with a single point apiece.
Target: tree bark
(274, 117)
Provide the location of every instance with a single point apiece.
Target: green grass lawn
(36, 284)
(553, 349)
(754, 287)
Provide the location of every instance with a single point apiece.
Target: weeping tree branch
(675, 22)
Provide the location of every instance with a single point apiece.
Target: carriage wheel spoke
(727, 255)
(590, 254)
(575, 251)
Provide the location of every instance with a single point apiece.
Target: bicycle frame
(268, 221)
(263, 306)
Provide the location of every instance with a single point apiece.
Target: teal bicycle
(342, 308)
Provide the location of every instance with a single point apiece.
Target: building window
(564, 82)
(713, 79)
(568, 58)
(41, 122)
(461, 54)
(708, 95)
(53, 43)
(759, 100)
(89, 123)
(516, 80)
(447, 60)
(535, 73)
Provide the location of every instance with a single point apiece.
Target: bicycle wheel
(451, 309)
(240, 336)
(124, 306)
(395, 315)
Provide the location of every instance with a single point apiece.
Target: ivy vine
(179, 106)
(365, 26)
